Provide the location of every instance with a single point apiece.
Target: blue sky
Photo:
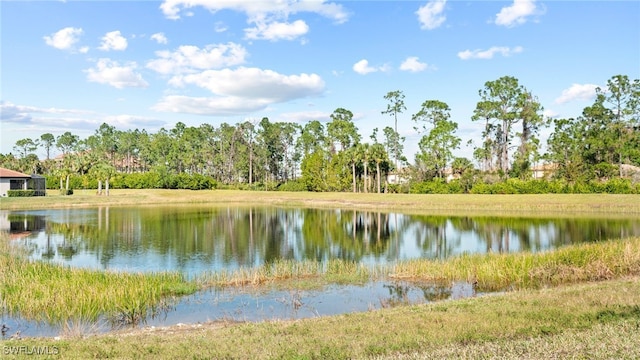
(70, 66)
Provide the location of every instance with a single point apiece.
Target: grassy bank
(592, 320)
(57, 294)
(558, 204)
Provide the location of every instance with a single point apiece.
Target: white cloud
(489, 53)
(113, 41)
(10, 112)
(430, 15)
(112, 73)
(216, 106)
(548, 113)
(362, 67)
(258, 9)
(277, 30)
(413, 65)
(577, 92)
(220, 27)
(189, 58)
(127, 121)
(239, 91)
(254, 83)
(517, 13)
(160, 38)
(64, 39)
(59, 120)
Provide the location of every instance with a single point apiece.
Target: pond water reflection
(197, 239)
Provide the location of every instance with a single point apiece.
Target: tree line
(591, 148)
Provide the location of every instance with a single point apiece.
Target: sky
(73, 65)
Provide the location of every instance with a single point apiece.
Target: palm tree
(363, 152)
(379, 156)
(102, 171)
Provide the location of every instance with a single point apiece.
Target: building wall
(5, 185)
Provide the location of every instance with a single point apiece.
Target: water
(192, 240)
(240, 305)
(195, 239)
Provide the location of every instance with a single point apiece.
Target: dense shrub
(20, 193)
(294, 185)
(435, 186)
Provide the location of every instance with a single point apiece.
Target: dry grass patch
(558, 204)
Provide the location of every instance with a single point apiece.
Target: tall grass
(491, 272)
(56, 294)
(331, 271)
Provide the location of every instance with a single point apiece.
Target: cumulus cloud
(254, 83)
(113, 41)
(64, 39)
(277, 30)
(550, 114)
(577, 92)
(189, 58)
(128, 121)
(57, 119)
(214, 106)
(489, 53)
(10, 112)
(220, 27)
(13, 113)
(362, 67)
(412, 64)
(269, 18)
(517, 13)
(430, 14)
(112, 73)
(239, 91)
(259, 9)
(160, 38)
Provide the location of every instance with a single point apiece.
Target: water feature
(195, 239)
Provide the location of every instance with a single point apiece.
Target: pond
(198, 239)
(192, 240)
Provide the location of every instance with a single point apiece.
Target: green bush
(294, 185)
(21, 193)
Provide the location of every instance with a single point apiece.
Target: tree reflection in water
(193, 239)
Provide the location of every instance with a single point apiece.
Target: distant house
(13, 180)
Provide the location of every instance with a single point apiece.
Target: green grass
(571, 264)
(57, 294)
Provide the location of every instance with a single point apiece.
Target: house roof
(6, 173)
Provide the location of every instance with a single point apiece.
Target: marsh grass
(495, 272)
(489, 272)
(331, 271)
(57, 294)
